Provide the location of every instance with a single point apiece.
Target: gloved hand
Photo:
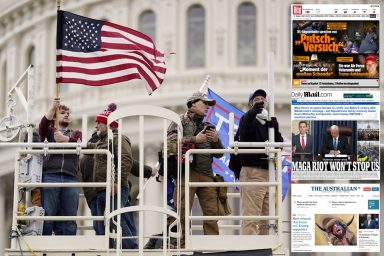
(258, 107)
(273, 123)
(94, 138)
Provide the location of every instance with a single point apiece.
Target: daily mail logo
(311, 94)
(297, 9)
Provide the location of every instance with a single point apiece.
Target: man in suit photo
(335, 144)
(369, 223)
(302, 144)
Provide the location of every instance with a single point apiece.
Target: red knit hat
(103, 117)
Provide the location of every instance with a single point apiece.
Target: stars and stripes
(94, 52)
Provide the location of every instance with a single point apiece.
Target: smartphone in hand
(208, 127)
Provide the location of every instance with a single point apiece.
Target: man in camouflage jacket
(202, 136)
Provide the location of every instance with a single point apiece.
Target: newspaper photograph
(335, 135)
(334, 46)
(335, 218)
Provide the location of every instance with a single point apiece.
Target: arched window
(147, 24)
(246, 34)
(196, 37)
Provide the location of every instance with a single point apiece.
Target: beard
(64, 124)
(101, 133)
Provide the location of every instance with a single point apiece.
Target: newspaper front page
(335, 45)
(353, 153)
(335, 217)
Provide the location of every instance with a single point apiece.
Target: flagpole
(204, 86)
(57, 84)
(271, 132)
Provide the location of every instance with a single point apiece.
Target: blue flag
(218, 115)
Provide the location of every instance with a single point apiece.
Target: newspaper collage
(335, 113)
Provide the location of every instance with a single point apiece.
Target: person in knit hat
(87, 170)
(100, 172)
(59, 201)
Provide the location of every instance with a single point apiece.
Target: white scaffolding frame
(229, 242)
(193, 242)
(141, 112)
(18, 185)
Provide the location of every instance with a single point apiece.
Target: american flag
(95, 52)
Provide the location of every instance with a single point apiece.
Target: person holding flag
(59, 201)
(253, 127)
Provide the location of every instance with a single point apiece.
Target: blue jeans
(58, 201)
(170, 189)
(130, 219)
(125, 222)
(98, 226)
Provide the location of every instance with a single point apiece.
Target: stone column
(4, 238)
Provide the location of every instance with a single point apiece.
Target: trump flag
(219, 116)
(96, 53)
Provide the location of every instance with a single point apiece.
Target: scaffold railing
(228, 242)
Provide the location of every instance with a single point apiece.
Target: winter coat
(251, 130)
(59, 163)
(100, 160)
